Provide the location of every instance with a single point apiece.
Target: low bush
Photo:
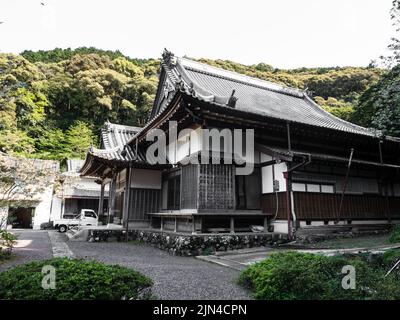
(394, 236)
(74, 279)
(306, 276)
(389, 258)
(7, 242)
(4, 254)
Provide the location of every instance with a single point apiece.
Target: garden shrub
(305, 276)
(75, 279)
(7, 242)
(389, 258)
(395, 234)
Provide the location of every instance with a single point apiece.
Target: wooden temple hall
(310, 167)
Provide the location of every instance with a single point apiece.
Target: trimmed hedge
(307, 276)
(75, 279)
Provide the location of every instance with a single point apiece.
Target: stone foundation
(319, 237)
(188, 244)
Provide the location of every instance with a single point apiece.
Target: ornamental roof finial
(168, 58)
(232, 100)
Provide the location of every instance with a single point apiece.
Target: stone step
(223, 262)
(78, 235)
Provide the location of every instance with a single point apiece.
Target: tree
(23, 180)
(380, 105)
(394, 59)
(78, 138)
(44, 93)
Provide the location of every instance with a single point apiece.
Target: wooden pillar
(232, 225)
(201, 224)
(388, 211)
(193, 225)
(101, 200)
(111, 200)
(127, 193)
(162, 223)
(176, 225)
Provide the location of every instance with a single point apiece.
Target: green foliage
(46, 95)
(75, 279)
(340, 83)
(380, 105)
(58, 54)
(338, 108)
(395, 235)
(7, 242)
(7, 239)
(78, 137)
(389, 258)
(53, 103)
(294, 275)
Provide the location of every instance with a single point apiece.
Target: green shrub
(294, 275)
(7, 242)
(395, 234)
(4, 254)
(75, 279)
(389, 258)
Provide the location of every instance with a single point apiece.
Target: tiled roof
(255, 96)
(114, 138)
(117, 135)
(74, 165)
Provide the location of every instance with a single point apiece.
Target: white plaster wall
(268, 177)
(279, 170)
(194, 142)
(280, 226)
(146, 179)
(188, 143)
(355, 185)
(42, 210)
(56, 209)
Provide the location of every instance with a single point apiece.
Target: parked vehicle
(87, 217)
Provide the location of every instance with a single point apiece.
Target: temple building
(310, 168)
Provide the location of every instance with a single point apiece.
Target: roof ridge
(124, 127)
(269, 85)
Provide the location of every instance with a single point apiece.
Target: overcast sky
(286, 34)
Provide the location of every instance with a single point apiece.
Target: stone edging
(189, 245)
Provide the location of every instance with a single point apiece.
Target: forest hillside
(53, 103)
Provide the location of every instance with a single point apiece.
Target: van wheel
(63, 228)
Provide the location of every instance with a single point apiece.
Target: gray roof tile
(259, 96)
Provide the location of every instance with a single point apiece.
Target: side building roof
(113, 149)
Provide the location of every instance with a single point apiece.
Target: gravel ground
(174, 277)
(31, 245)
